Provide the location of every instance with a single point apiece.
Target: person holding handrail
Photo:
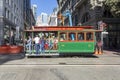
(43, 45)
(29, 44)
(37, 40)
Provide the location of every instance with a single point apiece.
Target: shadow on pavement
(113, 51)
(9, 57)
(65, 56)
(117, 53)
(80, 56)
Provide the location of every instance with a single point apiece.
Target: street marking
(58, 65)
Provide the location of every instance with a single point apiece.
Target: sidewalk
(112, 52)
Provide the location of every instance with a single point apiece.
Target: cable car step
(43, 54)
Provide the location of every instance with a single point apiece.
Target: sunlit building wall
(34, 10)
(11, 20)
(53, 18)
(42, 20)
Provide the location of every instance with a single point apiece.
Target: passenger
(51, 42)
(61, 38)
(29, 44)
(72, 37)
(46, 44)
(42, 45)
(80, 37)
(55, 43)
(89, 36)
(37, 39)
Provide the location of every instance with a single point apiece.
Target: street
(59, 39)
(98, 67)
(60, 72)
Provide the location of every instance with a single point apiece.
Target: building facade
(15, 16)
(27, 14)
(34, 10)
(42, 20)
(91, 12)
(32, 18)
(53, 18)
(11, 20)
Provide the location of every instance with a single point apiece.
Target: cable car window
(72, 37)
(89, 36)
(80, 36)
(63, 36)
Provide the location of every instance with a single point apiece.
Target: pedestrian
(29, 44)
(99, 44)
(37, 40)
(12, 39)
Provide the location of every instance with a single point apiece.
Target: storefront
(9, 35)
(113, 36)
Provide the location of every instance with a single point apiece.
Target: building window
(15, 20)
(5, 12)
(12, 4)
(86, 17)
(14, 8)
(6, 1)
(9, 2)
(107, 13)
(6, 34)
(76, 20)
(11, 17)
(73, 2)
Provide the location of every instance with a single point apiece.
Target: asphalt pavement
(97, 67)
(107, 58)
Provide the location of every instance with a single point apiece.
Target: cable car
(63, 40)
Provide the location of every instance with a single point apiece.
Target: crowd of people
(40, 44)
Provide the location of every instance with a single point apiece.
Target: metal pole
(102, 41)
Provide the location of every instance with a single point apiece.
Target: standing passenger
(40, 45)
(29, 43)
(43, 45)
(37, 40)
(46, 43)
(55, 43)
(51, 42)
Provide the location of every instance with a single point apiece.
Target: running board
(42, 55)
